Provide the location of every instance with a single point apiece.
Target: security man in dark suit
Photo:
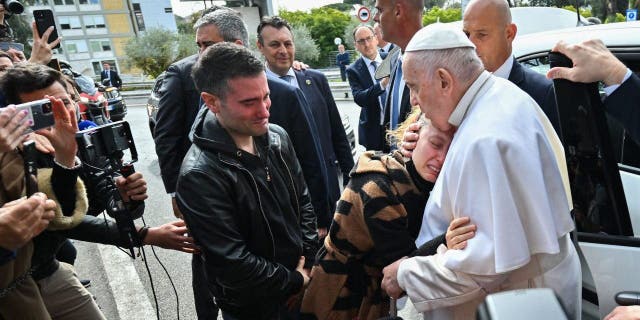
(488, 25)
(368, 93)
(275, 41)
(112, 75)
(179, 106)
(342, 60)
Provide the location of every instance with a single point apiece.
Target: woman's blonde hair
(394, 137)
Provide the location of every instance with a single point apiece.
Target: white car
(609, 233)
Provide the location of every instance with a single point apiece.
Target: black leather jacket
(251, 216)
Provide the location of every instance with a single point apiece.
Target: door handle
(628, 298)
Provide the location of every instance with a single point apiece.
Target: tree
(347, 37)
(152, 51)
(324, 24)
(436, 14)
(21, 27)
(306, 48)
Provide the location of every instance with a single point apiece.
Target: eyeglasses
(364, 40)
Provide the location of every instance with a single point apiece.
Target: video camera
(102, 151)
(12, 6)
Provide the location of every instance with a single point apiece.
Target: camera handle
(117, 209)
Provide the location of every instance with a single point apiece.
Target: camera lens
(14, 6)
(47, 108)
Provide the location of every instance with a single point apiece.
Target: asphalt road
(120, 284)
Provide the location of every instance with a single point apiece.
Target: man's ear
(259, 45)
(444, 80)
(212, 101)
(239, 42)
(512, 29)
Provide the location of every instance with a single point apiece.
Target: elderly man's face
(427, 92)
(206, 36)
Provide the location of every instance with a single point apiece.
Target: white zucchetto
(439, 36)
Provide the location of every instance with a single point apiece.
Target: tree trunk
(612, 9)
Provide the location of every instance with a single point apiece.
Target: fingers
(46, 34)
(42, 143)
(300, 264)
(34, 31)
(458, 222)
(179, 223)
(560, 73)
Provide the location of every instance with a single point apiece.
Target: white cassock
(505, 170)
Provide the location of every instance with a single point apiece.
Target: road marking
(131, 299)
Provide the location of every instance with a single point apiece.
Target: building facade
(96, 31)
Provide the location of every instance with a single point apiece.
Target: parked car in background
(609, 237)
(154, 99)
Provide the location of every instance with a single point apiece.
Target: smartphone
(40, 112)
(44, 20)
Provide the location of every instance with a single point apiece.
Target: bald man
(399, 21)
(488, 25)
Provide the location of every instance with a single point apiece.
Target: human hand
(585, 56)
(384, 82)
(42, 144)
(299, 65)
(410, 139)
(176, 211)
(624, 313)
(304, 272)
(23, 219)
(12, 127)
(63, 134)
(322, 232)
(172, 235)
(42, 50)
(17, 55)
(459, 232)
(390, 280)
(133, 187)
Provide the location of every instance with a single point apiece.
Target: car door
(609, 237)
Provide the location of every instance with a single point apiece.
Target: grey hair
(462, 63)
(222, 62)
(229, 23)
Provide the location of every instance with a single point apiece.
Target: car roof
(614, 35)
(527, 19)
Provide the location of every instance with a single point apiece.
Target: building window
(139, 18)
(88, 1)
(94, 22)
(69, 23)
(76, 46)
(100, 45)
(62, 2)
(41, 2)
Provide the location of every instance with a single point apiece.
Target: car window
(592, 208)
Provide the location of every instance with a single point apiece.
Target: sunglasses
(5, 46)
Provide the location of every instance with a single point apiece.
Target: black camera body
(102, 150)
(12, 6)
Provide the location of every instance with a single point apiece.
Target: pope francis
(505, 170)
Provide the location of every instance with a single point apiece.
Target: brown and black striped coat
(376, 222)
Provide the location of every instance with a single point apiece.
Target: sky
(186, 8)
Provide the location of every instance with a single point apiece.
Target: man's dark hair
(273, 21)
(27, 77)
(222, 62)
(363, 26)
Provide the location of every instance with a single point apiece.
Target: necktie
(382, 97)
(395, 104)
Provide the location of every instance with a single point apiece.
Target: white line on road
(131, 299)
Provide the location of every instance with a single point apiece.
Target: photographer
(60, 289)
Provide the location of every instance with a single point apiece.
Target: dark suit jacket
(366, 94)
(342, 59)
(405, 105)
(289, 109)
(539, 88)
(624, 105)
(332, 136)
(177, 109)
(113, 75)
